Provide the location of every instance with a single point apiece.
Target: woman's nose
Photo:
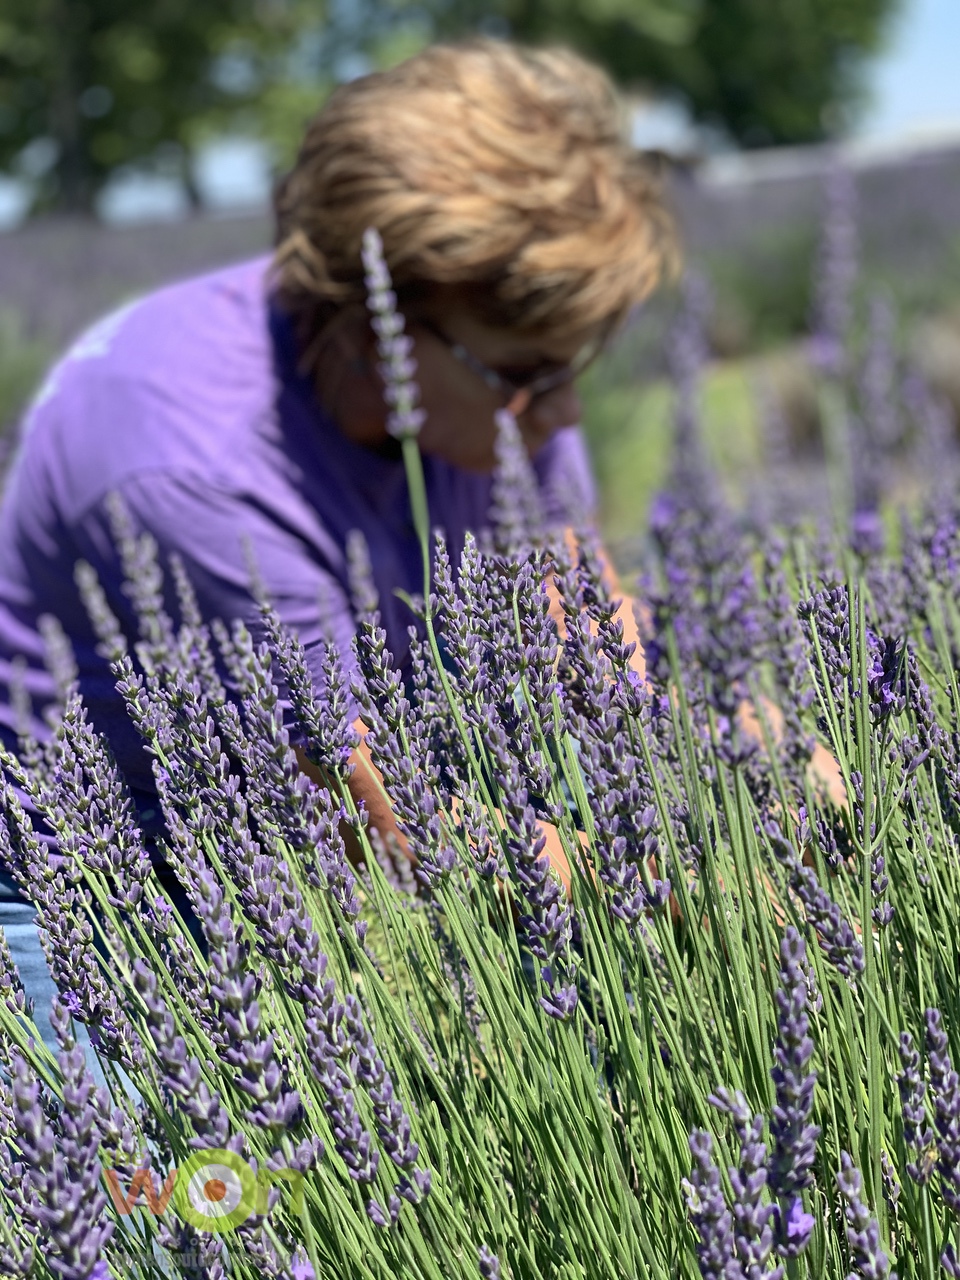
(556, 409)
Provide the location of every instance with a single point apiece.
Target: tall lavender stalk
(516, 509)
(918, 1136)
(794, 1137)
(60, 1165)
(397, 366)
(753, 1219)
(945, 1091)
(867, 1259)
(716, 1252)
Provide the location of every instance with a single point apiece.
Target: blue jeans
(17, 919)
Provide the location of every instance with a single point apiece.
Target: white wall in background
(134, 197)
(13, 202)
(234, 174)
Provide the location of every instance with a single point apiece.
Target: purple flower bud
(416, 1187)
(886, 677)
(794, 1228)
(300, 1267)
(380, 1218)
(489, 1264)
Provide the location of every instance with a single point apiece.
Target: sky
(914, 94)
(915, 84)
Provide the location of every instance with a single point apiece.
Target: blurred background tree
(758, 72)
(88, 87)
(344, 38)
(761, 72)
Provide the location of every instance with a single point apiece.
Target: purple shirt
(187, 402)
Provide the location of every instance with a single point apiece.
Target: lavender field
(717, 1040)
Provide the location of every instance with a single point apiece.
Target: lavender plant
(469, 1069)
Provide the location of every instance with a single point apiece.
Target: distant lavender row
(910, 207)
(462, 1069)
(58, 275)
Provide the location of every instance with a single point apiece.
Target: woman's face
(460, 427)
(460, 406)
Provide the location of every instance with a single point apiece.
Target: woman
(519, 227)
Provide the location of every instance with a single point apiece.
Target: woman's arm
(366, 781)
(366, 788)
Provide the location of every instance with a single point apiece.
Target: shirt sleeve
(218, 533)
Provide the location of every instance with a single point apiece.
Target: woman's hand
(366, 788)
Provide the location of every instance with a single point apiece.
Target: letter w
(142, 1180)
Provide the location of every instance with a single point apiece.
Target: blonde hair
(499, 171)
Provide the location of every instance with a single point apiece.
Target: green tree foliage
(765, 72)
(87, 86)
(349, 37)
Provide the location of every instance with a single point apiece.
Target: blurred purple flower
(397, 366)
(836, 273)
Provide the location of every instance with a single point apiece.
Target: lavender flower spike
(709, 1213)
(397, 366)
(393, 1123)
(868, 1260)
(838, 941)
(917, 1133)
(752, 1227)
(62, 1168)
(945, 1088)
(300, 1268)
(516, 511)
(489, 1264)
(794, 1138)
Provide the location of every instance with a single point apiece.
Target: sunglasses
(518, 388)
